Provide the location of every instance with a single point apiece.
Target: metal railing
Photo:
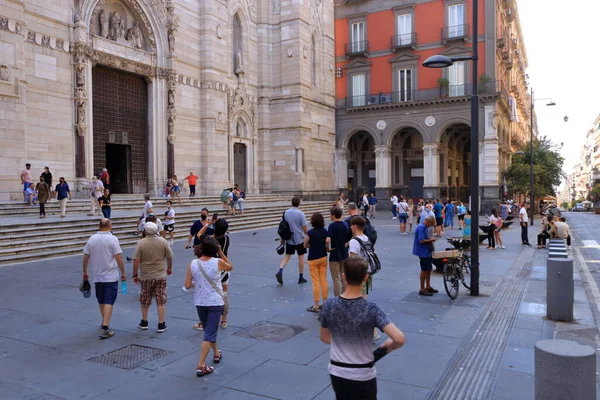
(455, 32)
(356, 48)
(431, 94)
(404, 40)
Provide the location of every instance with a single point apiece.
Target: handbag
(281, 249)
(216, 289)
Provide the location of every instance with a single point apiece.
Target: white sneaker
(393, 217)
(171, 242)
(502, 247)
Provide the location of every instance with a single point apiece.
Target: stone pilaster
(341, 168)
(383, 175)
(82, 119)
(431, 171)
(171, 117)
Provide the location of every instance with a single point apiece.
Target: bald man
(102, 253)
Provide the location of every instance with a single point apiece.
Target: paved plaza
(49, 344)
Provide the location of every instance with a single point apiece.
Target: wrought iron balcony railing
(455, 32)
(403, 41)
(357, 48)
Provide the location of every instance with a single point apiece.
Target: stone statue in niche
(121, 31)
(240, 63)
(171, 97)
(114, 25)
(103, 24)
(134, 35)
(171, 37)
(4, 75)
(81, 111)
(80, 76)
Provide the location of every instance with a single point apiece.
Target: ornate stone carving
(117, 26)
(103, 24)
(240, 63)
(4, 73)
(276, 6)
(81, 130)
(290, 52)
(135, 37)
(172, 25)
(171, 139)
(80, 75)
(81, 103)
(383, 150)
(219, 34)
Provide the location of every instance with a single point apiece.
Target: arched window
(237, 41)
(314, 61)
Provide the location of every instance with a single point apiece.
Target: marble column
(383, 175)
(341, 168)
(171, 117)
(431, 171)
(80, 98)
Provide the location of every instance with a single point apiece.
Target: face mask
(204, 217)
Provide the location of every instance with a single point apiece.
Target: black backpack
(284, 231)
(369, 254)
(243, 195)
(370, 232)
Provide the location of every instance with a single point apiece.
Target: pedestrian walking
(347, 324)
(394, 201)
(169, 226)
(491, 229)
(412, 214)
(356, 246)
(295, 244)
(62, 193)
(147, 210)
(96, 191)
(105, 203)
(504, 210)
(43, 194)
(48, 179)
(462, 211)
(372, 205)
(149, 259)
(231, 201)
(524, 221)
(192, 180)
(318, 244)
(102, 254)
(365, 205)
(423, 248)
(176, 189)
(105, 178)
(200, 229)
(438, 208)
(402, 208)
(26, 180)
(449, 217)
(204, 274)
(339, 234)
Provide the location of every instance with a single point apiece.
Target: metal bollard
(560, 289)
(564, 370)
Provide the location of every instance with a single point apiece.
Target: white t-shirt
(204, 294)
(354, 246)
(158, 224)
(170, 217)
(147, 206)
(394, 200)
(403, 207)
(523, 212)
(493, 220)
(365, 201)
(102, 247)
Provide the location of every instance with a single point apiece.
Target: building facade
(586, 173)
(238, 91)
(404, 128)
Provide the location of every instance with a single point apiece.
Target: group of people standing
(43, 191)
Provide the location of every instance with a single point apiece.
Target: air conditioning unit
(385, 99)
(373, 100)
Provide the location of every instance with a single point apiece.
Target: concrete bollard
(557, 241)
(556, 254)
(564, 370)
(560, 289)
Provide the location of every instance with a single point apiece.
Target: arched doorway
(361, 165)
(455, 162)
(407, 163)
(120, 120)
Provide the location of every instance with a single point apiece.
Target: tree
(547, 169)
(564, 205)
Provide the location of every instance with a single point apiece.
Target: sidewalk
(48, 337)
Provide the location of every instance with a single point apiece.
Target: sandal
(204, 370)
(224, 324)
(198, 327)
(217, 358)
(313, 309)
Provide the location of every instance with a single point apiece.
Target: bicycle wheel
(452, 279)
(465, 273)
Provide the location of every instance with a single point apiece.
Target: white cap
(151, 228)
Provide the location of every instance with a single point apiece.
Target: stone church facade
(238, 91)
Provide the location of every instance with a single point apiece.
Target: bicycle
(457, 268)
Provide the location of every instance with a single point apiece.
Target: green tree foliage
(547, 169)
(564, 205)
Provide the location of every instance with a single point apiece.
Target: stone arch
(448, 123)
(358, 128)
(243, 117)
(403, 125)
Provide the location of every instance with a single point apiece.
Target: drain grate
(130, 357)
(487, 283)
(271, 331)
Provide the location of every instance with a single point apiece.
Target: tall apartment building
(586, 173)
(404, 128)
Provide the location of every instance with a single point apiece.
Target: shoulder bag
(216, 289)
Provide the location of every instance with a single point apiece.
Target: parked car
(579, 207)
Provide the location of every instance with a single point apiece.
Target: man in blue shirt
(449, 215)
(422, 248)
(439, 221)
(62, 193)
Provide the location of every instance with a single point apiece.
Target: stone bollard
(557, 241)
(557, 254)
(560, 289)
(564, 370)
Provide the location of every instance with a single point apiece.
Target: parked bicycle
(458, 268)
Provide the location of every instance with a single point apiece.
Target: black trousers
(569, 240)
(524, 238)
(346, 389)
(192, 190)
(542, 237)
(42, 209)
(491, 237)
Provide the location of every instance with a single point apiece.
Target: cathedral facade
(238, 91)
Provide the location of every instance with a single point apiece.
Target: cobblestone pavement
(49, 345)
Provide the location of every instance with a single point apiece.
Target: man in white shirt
(524, 219)
(147, 211)
(403, 214)
(365, 205)
(394, 201)
(169, 226)
(104, 256)
(96, 191)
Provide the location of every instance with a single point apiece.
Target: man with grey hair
(147, 211)
(149, 259)
(103, 255)
(423, 248)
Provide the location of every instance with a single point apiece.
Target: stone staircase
(30, 238)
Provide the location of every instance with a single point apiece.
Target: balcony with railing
(405, 97)
(406, 40)
(455, 32)
(358, 48)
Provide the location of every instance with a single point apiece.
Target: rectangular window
(404, 33)
(405, 84)
(456, 20)
(359, 90)
(456, 76)
(358, 37)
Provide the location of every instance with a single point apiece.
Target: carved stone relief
(113, 24)
(4, 73)
(172, 25)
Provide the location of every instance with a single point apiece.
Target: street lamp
(441, 61)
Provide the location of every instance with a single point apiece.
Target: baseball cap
(85, 288)
(150, 228)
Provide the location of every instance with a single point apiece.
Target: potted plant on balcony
(483, 83)
(444, 84)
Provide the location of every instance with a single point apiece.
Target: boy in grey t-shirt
(298, 226)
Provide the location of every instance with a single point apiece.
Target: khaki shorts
(156, 288)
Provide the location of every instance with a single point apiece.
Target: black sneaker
(143, 325)
(279, 277)
(425, 293)
(302, 280)
(161, 327)
(432, 290)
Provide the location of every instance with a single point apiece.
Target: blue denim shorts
(210, 317)
(402, 218)
(106, 292)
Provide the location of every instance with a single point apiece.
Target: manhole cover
(487, 283)
(271, 331)
(130, 357)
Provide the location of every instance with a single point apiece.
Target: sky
(561, 40)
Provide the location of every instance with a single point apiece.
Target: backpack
(284, 231)
(370, 256)
(370, 232)
(234, 196)
(243, 195)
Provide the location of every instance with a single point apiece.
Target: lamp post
(440, 61)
